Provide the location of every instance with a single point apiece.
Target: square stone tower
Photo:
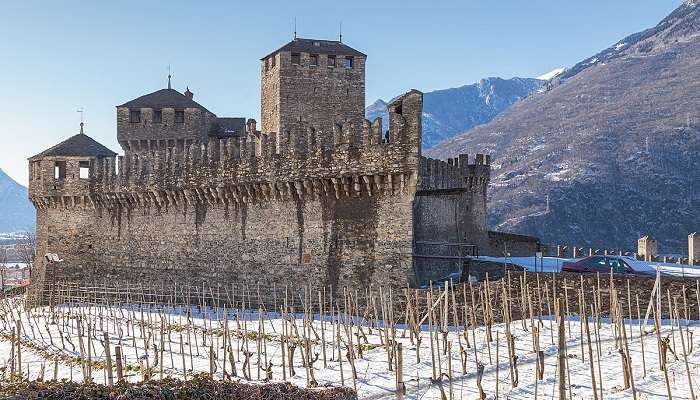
(693, 248)
(646, 248)
(313, 85)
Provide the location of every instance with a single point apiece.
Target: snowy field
(168, 340)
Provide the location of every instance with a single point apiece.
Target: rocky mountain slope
(451, 111)
(610, 151)
(16, 211)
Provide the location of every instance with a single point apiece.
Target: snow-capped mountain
(609, 151)
(16, 211)
(552, 74)
(679, 26)
(451, 111)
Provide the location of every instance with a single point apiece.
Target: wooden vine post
(118, 359)
(108, 358)
(561, 357)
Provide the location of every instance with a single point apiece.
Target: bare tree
(3, 264)
(26, 249)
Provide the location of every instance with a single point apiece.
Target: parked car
(619, 264)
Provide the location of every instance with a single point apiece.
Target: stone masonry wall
(346, 241)
(449, 214)
(147, 135)
(270, 95)
(294, 211)
(451, 200)
(320, 98)
(513, 244)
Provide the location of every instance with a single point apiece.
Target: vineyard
(525, 336)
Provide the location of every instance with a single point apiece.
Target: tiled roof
(163, 98)
(318, 46)
(80, 145)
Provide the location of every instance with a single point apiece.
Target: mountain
(17, 212)
(451, 111)
(609, 151)
(552, 74)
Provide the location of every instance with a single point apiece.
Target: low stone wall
(516, 245)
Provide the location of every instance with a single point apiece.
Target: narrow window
(296, 58)
(179, 116)
(349, 62)
(135, 116)
(157, 116)
(274, 60)
(84, 169)
(267, 64)
(59, 170)
(331, 61)
(313, 60)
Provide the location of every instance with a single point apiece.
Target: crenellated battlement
(458, 172)
(257, 166)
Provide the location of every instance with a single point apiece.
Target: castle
(317, 195)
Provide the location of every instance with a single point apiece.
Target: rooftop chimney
(189, 94)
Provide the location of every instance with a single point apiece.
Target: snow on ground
(12, 235)
(374, 381)
(557, 175)
(553, 264)
(533, 264)
(551, 74)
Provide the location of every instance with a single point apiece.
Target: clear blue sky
(58, 56)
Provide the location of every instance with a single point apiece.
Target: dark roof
(80, 145)
(318, 46)
(163, 98)
(227, 127)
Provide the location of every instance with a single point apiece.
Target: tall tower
(311, 84)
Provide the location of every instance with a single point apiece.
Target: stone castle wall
(321, 202)
(300, 241)
(298, 211)
(449, 214)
